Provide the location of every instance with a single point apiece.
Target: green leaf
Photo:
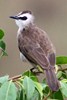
(63, 88)
(1, 34)
(61, 60)
(64, 80)
(39, 88)
(8, 91)
(19, 95)
(46, 89)
(4, 53)
(64, 75)
(2, 45)
(29, 87)
(36, 96)
(22, 95)
(53, 99)
(44, 85)
(58, 95)
(59, 74)
(4, 79)
(31, 75)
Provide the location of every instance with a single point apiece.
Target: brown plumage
(38, 49)
(36, 46)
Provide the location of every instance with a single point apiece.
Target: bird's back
(35, 35)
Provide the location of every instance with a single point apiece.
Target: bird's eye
(23, 18)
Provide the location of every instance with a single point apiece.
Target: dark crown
(26, 11)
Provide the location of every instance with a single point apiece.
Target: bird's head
(23, 19)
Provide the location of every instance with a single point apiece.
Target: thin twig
(46, 98)
(63, 69)
(15, 78)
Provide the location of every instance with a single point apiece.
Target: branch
(63, 69)
(15, 78)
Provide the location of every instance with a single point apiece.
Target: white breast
(22, 57)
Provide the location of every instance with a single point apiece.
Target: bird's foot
(35, 71)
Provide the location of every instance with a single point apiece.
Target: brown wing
(34, 53)
(52, 59)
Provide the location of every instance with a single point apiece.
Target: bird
(35, 45)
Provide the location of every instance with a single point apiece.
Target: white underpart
(22, 57)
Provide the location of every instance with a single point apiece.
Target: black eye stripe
(23, 18)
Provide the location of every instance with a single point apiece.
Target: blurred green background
(50, 15)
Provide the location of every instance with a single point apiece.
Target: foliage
(2, 44)
(27, 86)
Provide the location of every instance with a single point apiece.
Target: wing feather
(35, 53)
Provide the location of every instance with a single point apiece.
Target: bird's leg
(38, 68)
(33, 68)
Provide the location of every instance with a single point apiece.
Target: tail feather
(51, 79)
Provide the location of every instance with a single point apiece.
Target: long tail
(51, 79)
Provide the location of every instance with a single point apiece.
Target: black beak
(14, 17)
